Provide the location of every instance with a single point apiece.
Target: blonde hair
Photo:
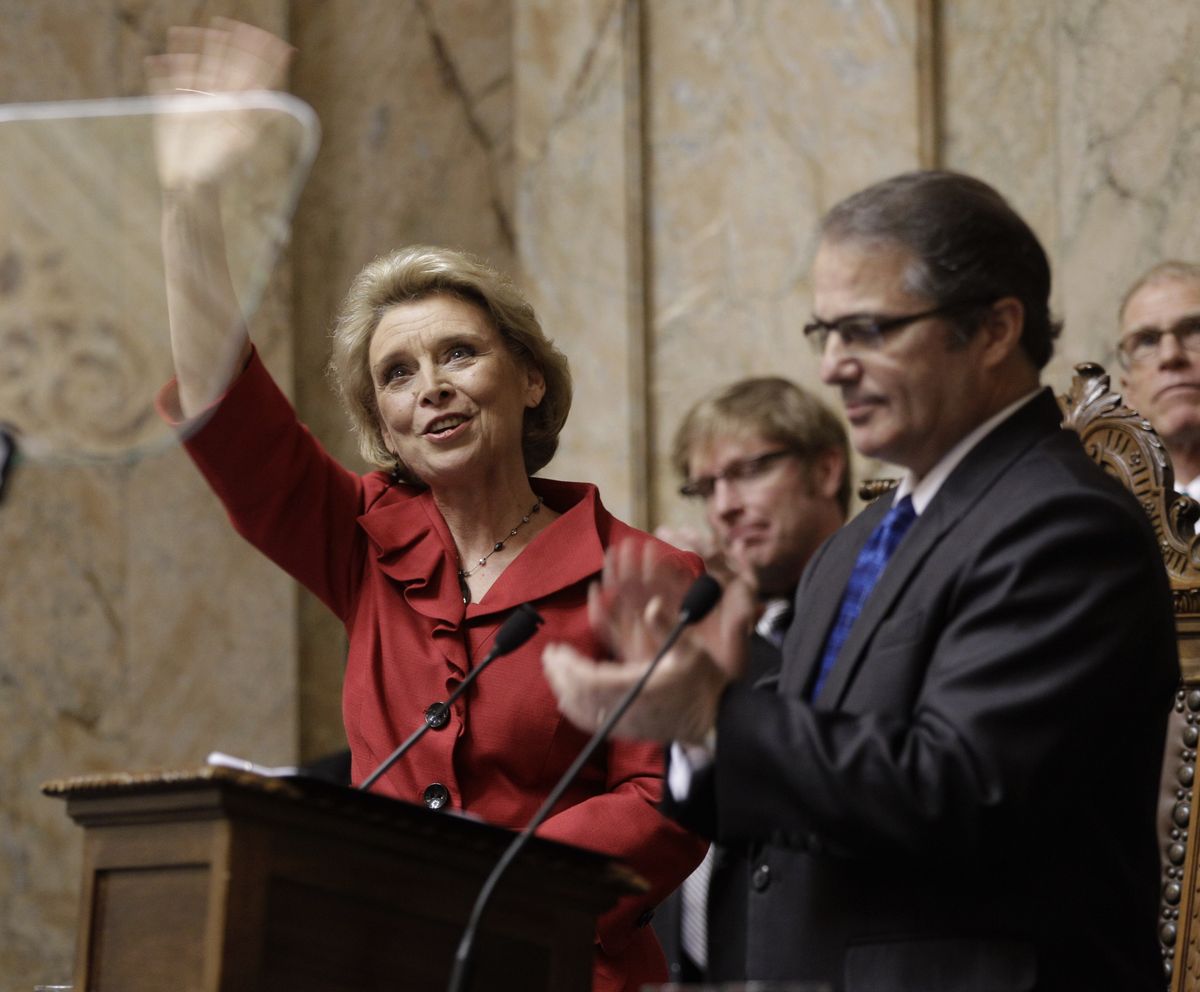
(774, 408)
(420, 271)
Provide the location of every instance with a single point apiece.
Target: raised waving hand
(200, 133)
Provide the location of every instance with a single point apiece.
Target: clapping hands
(633, 608)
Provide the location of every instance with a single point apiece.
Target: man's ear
(827, 471)
(1001, 330)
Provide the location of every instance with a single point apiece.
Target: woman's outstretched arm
(195, 149)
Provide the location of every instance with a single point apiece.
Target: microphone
(699, 600)
(518, 627)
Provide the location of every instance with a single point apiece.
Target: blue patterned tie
(867, 569)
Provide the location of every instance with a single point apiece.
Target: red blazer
(380, 556)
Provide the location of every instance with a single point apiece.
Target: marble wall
(652, 171)
(136, 630)
(1092, 132)
(752, 141)
(134, 633)
(739, 123)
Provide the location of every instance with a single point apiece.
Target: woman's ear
(535, 386)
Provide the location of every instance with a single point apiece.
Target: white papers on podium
(241, 764)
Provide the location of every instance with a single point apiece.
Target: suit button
(436, 796)
(437, 715)
(761, 878)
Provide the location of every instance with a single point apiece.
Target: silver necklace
(466, 573)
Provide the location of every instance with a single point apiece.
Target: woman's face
(451, 396)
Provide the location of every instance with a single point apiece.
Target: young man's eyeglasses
(702, 487)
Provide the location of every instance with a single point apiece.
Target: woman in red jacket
(457, 398)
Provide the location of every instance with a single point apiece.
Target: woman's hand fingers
(194, 145)
(240, 56)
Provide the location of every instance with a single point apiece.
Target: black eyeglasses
(865, 332)
(740, 471)
(1141, 346)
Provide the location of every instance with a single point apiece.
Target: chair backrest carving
(870, 490)
(1127, 447)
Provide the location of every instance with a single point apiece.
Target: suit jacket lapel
(969, 481)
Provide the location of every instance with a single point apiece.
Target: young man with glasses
(954, 785)
(1159, 354)
(769, 464)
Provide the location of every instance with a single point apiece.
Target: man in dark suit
(956, 781)
(769, 462)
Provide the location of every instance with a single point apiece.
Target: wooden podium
(216, 880)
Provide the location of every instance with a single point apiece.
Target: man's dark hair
(970, 246)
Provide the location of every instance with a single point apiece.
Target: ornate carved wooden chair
(1123, 443)
(1126, 446)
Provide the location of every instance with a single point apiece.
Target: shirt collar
(768, 625)
(923, 491)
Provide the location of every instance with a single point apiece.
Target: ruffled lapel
(413, 547)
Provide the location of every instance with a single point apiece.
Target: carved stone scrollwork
(1123, 443)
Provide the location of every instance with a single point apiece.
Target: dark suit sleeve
(984, 686)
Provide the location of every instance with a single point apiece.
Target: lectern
(217, 880)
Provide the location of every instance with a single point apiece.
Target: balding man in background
(1159, 353)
